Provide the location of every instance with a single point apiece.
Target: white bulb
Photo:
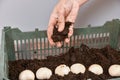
(77, 68)
(43, 73)
(26, 75)
(96, 69)
(114, 70)
(89, 79)
(62, 70)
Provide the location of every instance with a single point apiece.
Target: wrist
(81, 2)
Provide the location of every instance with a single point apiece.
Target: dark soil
(105, 57)
(60, 36)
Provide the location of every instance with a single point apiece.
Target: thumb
(61, 21)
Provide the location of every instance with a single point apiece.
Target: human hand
(64, 11)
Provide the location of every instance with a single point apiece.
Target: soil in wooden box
(105, 57)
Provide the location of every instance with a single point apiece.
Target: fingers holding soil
(61, 36)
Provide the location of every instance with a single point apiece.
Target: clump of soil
(60, 36)
(105, 57)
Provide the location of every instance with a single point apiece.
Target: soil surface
(61, 36)
(105, 57)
